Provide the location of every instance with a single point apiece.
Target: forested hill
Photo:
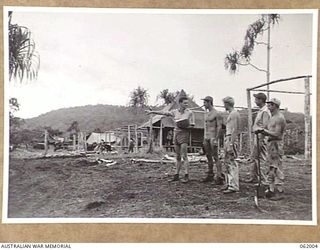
(89, 118)
(105, 117)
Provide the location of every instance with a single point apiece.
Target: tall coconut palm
(139, 98)
(166, 96)
(24, 61)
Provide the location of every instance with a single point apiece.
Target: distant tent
(106, 136)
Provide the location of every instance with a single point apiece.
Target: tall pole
(141, 139)
(160, 134)
(249, 121)
(307, 121)
(129, 135)
(204, 123)
(74, 142)
(85, 141)
(46, 144)
(268, 56)
(136, 136)
(150, 150)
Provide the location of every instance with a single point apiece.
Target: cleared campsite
(80, 187)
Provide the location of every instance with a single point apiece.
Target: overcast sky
(91, 58)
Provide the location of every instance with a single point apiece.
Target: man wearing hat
(261, 122)
(231, 146)
(275, 131)
(213, 129)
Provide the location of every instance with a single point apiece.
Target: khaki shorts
(180, 137)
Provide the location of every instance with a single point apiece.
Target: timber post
(250, 144)
(46, 144)
(307, 121)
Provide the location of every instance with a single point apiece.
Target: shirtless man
(275, 132)
(213, 123)
(181, 135)
(231, 146)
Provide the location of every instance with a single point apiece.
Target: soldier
(261, 122)
(182, 117)
(131, 145)
(275, 133)
(213, 123)
(231, 146)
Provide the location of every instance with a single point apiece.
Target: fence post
(136, 136)
(307, 120)
(240, 144)
(46, 144)
(150, 150)
(249, 121)
(74, 142)
(85, 141)
(129, 135)
(160, 134)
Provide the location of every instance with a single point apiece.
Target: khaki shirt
(177, 115)
(262, 119)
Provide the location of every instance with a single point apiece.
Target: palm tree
(166, 96)
(139, 98)
(74, 127)
(243, 57)
(24, 61)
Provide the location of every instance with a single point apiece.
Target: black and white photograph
(159, 116)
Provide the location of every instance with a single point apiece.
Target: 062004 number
(311, 245)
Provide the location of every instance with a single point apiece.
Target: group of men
(269, 127)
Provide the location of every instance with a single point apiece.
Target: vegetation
(89, 118)
(139, 98)
(14, 122)
(166, 96)
(24, 61)
(243, 57)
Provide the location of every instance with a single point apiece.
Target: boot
(175, 178)
(251, 180)
(220, 180)
(209, 178)
(185, 179)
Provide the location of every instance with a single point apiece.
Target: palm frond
(24, 61)
(231, 61)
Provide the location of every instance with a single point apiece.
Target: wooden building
(162, 126)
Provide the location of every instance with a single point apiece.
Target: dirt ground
(78, 187)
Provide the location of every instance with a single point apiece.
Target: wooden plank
(279, 91)
(280, 80)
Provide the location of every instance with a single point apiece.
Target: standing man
(231, 146)
(261, 122)
(182, 117)
(131, 145)
(275, 133)
(213, 123)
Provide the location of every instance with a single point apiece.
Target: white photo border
(5, 193)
